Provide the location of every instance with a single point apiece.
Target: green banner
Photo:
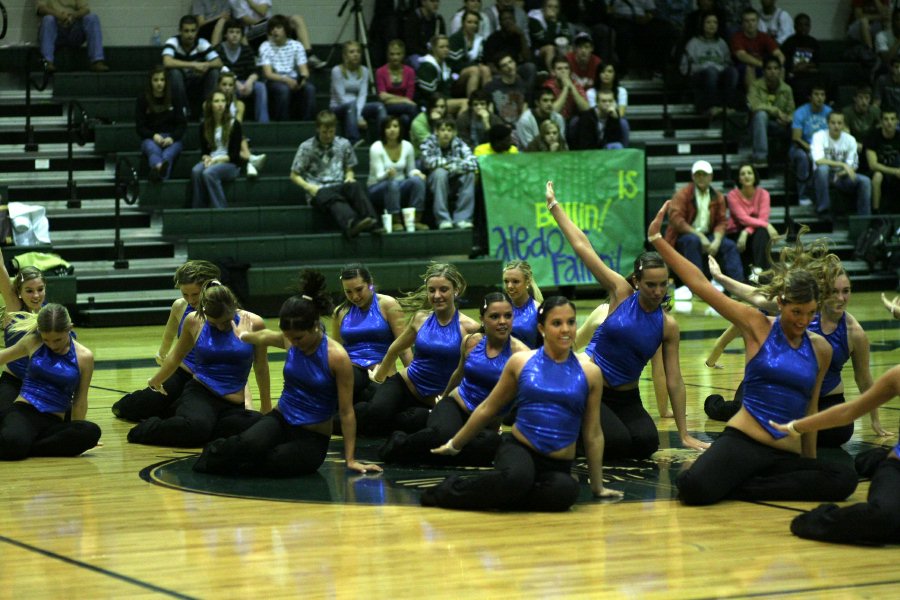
(602, 191)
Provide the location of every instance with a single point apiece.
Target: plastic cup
(409, 218)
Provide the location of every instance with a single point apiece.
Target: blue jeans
(207, 183)
(713, 88)
(862, 185)
(406, 113)
(442, 183)
(389, 194)
(260, 102)
(282, 96)
(190, 89)
(688, 245)
(761, 127)
(800, 161)
(346, 113)
(156, 154)
(52, 34)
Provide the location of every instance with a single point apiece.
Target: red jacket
(683, 211)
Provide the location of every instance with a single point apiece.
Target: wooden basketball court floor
(133, 521)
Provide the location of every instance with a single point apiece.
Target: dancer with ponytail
(212, 403)
(56, 381)
(293, 438)
(519, 283)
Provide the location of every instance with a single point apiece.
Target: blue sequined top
(310, 390)
(366, 335)
(524, 326)
(436, 355)
(840, 346)
(551, 401)
(189, 359)
(779, 380)
(625, 341)
(481, 373)
(223, 361)
(52, 379)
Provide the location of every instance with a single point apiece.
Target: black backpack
(873, 245)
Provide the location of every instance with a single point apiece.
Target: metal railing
(30, 143)
(126, 189)
(5, 19)
(78, 129)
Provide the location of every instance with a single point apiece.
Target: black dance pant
(719, 409)
(392, 408)
(628, 429)
(25, 431)
(10, 386)
(876, 521)
(363, 387)
(738, 467)
(271, 447)
(145, 403)
(522, 479)
(444, 421)
(200, 417)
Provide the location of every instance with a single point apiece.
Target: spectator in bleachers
(834, 153)
(509, 93)
(236, 108)
(548, 30)
(349, 89)
(707, 60)
(887, 42)
(887, 88)
(608, 80)
(808, 119)
(883, 154)
(394, 180)
(734, 12)
(220, 149)
(451, 168)
(861, 117)
(474, 123)
(750, 46)
(484, 24)
(584, 63)
(510, 39)
(396, 85)
(420, 27)
(772, 106)
(323, 168)
(283, 62)
(775, 21)
(642, 38)
(435, 76)
(867, 19)
(693, 23)
(160, 123)
(519, 15)
(499, 141)
(465, 56)
(70, 23)
(193, 65)
(749, 207)
(697, 223)
(599, 127)
(569, 98)
(541, 110)
(424, 124)
(801, 57)
(255, 16)
(240, 60)
(211, 17)
(675, 13)
(549, 139)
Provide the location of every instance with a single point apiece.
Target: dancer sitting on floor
(519, 283)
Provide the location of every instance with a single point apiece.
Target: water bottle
(155, 39)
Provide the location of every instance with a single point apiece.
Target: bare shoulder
(83, 353)
(337, 352)
(468, 324)
(670, 324)
(256, 322)
(472, 340)
(820, 344)
(179, 306)
(518, 360)
(419, 318)
(516, 345)
(854, 327)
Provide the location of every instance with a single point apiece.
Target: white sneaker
(315, 62)
(446, 225)
(251, 171)
(464, 225)
(805, 202)
(718, 286)
(683, 293)
(258, 161)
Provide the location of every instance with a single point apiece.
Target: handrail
(126, 188)
(668, 127)
(5, 18)
(74, 131)
(30, 144)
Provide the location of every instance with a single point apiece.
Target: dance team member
(143, 404)
(483, 356)
(212, 403)
(56, 381)
(876, 521)
(437, 329)
(366, 324)
(623, 344)
(293, 438)
(26, 293)
(518, 281)
(785, 366)
(558, 399)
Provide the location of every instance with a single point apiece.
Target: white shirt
(701, 221)
(779, 25)
(240, 9)
(842, 149)
(285, 59)
(380, 162)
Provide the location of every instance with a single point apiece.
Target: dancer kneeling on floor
(56, 381)
(212, 403)
(484, 355)
(558, 397)
(782, 378)
(318, 381)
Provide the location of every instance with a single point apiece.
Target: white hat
(702, 165)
